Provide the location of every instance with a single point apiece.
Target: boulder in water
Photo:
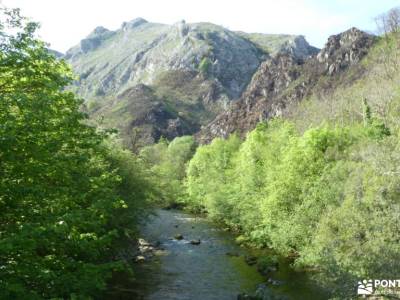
(140, 258)
(143, 242)
(178, 236)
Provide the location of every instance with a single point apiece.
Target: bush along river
(185, 257)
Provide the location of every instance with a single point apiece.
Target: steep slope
(194, 70)
(286, 79)
(153, 118)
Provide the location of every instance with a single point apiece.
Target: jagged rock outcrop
(90, 43)
(298, 47)
(273, 78)
(343, 50)
(285, 80)
(133, 24)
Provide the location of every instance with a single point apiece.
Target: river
(215, 269)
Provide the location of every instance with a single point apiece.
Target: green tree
(62, 193)
(209, 176)
(167, 163)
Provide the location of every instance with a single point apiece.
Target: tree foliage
(166, 162)
(65, 197)
(325, 196)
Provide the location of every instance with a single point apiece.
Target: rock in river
(140, 258)
(178, 236)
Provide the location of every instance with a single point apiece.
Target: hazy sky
(66, 22)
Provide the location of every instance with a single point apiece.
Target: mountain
(281, 43)
(151, 80)
(286, 79)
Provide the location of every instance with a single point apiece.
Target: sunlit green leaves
(66, 196)
(328, 196)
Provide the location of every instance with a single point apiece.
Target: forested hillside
(319, 186)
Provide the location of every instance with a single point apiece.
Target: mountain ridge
(194, 69)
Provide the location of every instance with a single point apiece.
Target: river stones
(144, 247)
(147, 250)
(143, 242)
(178, 236)
(195, 242)
(274, 282)
(140, 258)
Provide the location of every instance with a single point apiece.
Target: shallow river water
(202, 272)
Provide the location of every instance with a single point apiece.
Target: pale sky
(65, 22)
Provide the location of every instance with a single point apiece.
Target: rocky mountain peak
(183, 28)
(90, 43)
(344, 49)
(133, 23)
(99, 30)
(299, 48)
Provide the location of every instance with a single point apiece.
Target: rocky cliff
(286, 79)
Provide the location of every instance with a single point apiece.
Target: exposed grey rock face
(260, 101)
(285, 80)
(140, 51)
(90, 43)
(133, 24)
(344, 50)
(98, 31)
(299, 48)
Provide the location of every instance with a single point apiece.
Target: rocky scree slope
(151, 80)
(286, 79)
